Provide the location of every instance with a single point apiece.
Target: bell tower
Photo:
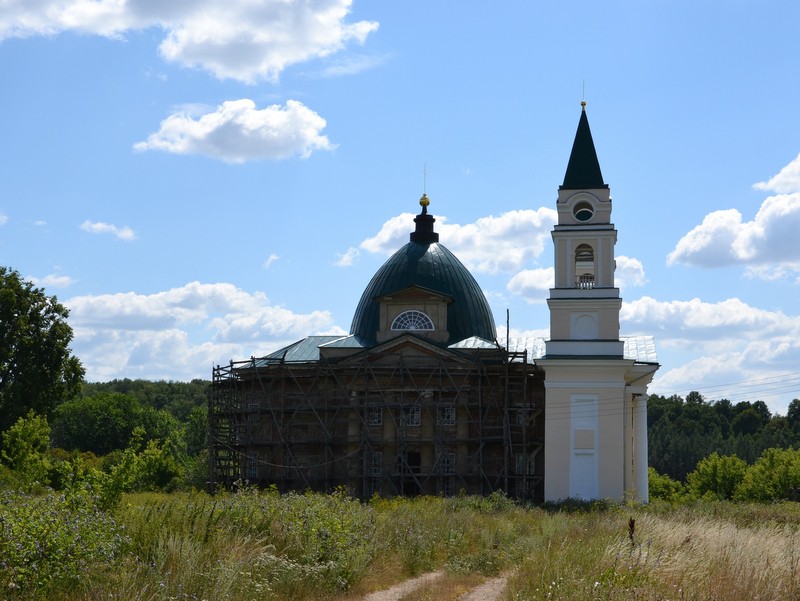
(596, 408)
(584, 304)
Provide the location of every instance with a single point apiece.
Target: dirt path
(491, 590)
(398, 591)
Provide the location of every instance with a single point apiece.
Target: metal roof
(431, 266)
(641, 349)
(305, 350)
(583, 169)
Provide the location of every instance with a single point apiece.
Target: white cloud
(629, 272)
(714, 345)
(767, 245)
(724, 239)
(785, 182)
(269, 261)
(532, 284)
(347, 258)
(3, 218)
(152, 336)
(53, 281)
(98, 227)
(237, 132)
(697, 320)
(237, 39)
(492, 244)
(352, 65)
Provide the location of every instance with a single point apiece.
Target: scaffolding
(390, 425)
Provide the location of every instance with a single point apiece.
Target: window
(446, 416)
(448, 464)
(375, 415)
(410, 416)
(584, 266)
(376, 464)
(520, 464)
(412, 320)
(524, 465)
(253, 467)
(583, 211)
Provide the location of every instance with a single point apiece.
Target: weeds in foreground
(264, 545)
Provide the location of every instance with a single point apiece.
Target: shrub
(716, 477)
(771, 477)
(663, 487)
(54, 540)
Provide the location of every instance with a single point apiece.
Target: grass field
(262, 545)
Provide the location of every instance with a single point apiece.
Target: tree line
(137, 434)
(722, 450)
(58, 430)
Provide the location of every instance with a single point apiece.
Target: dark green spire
(583, 169)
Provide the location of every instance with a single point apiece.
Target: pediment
(409, 348)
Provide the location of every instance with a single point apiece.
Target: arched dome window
(412, 320)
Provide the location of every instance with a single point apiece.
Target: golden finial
(583, 105)
(424, 200)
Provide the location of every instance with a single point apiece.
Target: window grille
(376, 463)
(375, 415)
(412, 320)
(446, 416)
(410, 416)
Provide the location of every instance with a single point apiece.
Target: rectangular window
(253, 467)
(448, 464)
(446, 416)
(375, 415)
(410, 416)
(376, 464)
(520, 464)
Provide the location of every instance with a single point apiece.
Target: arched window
(584, 266)
(412, 320)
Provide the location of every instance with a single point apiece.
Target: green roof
(583, 169)
(425, 263)
(302, 351)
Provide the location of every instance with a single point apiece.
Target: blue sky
(200, 181)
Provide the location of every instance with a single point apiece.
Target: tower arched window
(584, 266)
(412, 320)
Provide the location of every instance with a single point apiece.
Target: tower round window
(583, 211)
(412, 320)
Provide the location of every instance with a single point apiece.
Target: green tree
(663, 487)
(25, 446)
(772, 477)
(37, 368)
(716, 476)
(106, 422)
(748, 421)
(793, 415)
(196, 436)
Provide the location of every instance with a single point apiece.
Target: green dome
(425, 263)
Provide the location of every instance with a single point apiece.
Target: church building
(421, 398)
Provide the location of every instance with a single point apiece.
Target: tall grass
(700, 553)
(263, 545)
